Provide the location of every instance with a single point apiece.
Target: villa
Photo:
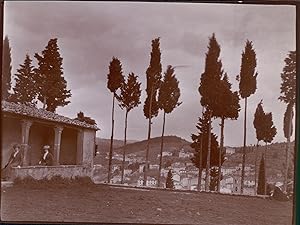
(72, 141)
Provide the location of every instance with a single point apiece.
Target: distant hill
(171, 144)
(275, 159)
(104, 144)
(275, 154)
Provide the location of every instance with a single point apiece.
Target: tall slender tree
(247, 86)
(258, 123)
(129, 98)
(288, 131)
(151, 107)
(168, 100)
(228, 108)
(6, 69)
(261, 177)
(115, 79)
(25, 90)
(200, 146)
(269, 131)
(210, 84)
(288, 96)
(52, 87)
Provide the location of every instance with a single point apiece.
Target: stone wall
(40, 172)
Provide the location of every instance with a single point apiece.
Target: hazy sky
(91, 33)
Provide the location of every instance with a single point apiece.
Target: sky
(91, 33)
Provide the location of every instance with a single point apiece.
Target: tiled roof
(30, 111)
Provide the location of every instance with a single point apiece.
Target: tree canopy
(169, 92)
(25, 90)
(52, 86)
(247, 77)
(115, 76)
(130, 93)
(288, 77)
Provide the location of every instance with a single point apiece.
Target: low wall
(40, 172)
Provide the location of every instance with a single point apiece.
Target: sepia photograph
(148, 113)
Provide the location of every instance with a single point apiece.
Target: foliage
(202, 126)
(52, 87)
(130, 93)
(288, 117)
(210, 82)
(214, 173)
(115, 77)
(169, 181)
(82, 118)
(228, 101)
(247, 77)
(153, 75)
(288, 77)
(6, 69)
(258, 121)
(261, 177)
(269, 129)
(25, 90)
(169, 91)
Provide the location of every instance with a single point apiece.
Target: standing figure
(15, 160)
(47, 157)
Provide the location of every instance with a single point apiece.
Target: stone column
(57, 141)
(79, 152)
(26, 124)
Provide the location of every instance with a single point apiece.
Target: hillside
(171, 144)
(275, 154)
(104, 144)
(275, 159)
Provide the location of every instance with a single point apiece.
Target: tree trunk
(255, 169)
(200, 167)
(124, 147)
(220, 152)
(200, 160)
(207, 175)
(161, 149)
(244, 148)
(111, 140)
(288, 147)
(148, 139)
(266, 177)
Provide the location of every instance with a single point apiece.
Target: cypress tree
(258, 123)
(168, 100)
(6, 69)
(115, 80)
(247, 87)
(261, 177)
(169, 181)
(288, 96)
(25, 90)
(209, 89)
(52, 86)
(129, 98)
(228, 108)
(151, 107)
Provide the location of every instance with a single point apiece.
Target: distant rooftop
(31, 111)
